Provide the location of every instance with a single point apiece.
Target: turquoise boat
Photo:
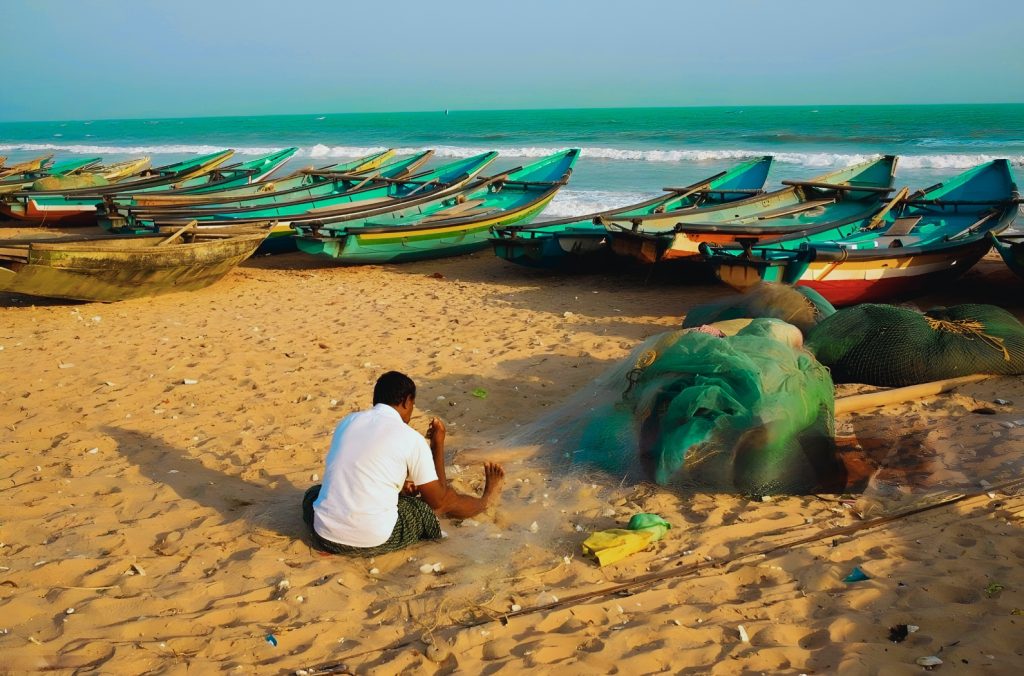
(452, 226)
(378, 196)
(910, 245)
(317, 186)
(221, 178)
(582, 242)
(297, 180)
(1011, 248)
(844, 196)
(382, 193)
(77, 206)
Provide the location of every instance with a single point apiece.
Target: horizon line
(448, 111)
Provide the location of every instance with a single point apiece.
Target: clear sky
(85, 59)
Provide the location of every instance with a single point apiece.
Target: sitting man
(376, 465)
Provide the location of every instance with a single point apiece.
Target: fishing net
(799, 306)
(895, 346)
(750, 413)
(68, 182)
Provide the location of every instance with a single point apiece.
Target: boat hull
(398, 245)
(866, 280)
(1012, 251)
(578, 250)
(107, 272)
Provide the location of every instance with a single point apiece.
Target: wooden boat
(913, 243)
(26, 179)
(1011, 248)
(312, 184)
(230, 176)
(78, 206)
(363, 195)
(122, 170)
(110, 268)
(581, 241)
(296, 180)
(34, 164)
(375, 196)
(455, 225)
(843, 196)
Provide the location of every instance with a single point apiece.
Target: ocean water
(628, 154)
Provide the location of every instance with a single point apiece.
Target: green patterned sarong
(416, 521)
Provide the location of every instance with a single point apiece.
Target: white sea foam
(322, 151)
(172, 149)
(574, 202)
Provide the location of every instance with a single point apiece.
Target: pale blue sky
(90, 59)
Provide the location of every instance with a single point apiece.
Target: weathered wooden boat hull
(114, 269)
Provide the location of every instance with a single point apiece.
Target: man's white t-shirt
(372, 454)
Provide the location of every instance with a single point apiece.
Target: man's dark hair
(392, 388)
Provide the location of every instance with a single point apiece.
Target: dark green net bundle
(894, 346)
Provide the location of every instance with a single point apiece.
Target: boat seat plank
(455, 210)
(794, 209)
(902, 226)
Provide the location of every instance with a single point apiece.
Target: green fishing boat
(78, 206)
(455, 225)
(110, 268)
(910, 245)
(316, 185)
(231, 176)
(302, 178)
(582, 242)
(378, 196)
(1011, 248)
(844, 196)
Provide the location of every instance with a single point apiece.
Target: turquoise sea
(627, 153)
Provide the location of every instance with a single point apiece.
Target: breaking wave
(323, 151)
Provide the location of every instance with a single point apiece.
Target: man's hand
(410, 489)
(437, 431)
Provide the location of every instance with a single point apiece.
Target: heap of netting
(894, 346)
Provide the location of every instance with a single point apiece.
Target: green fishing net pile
(752, 412)
(800, 306)
(894, 346)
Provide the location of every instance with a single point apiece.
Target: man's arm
(447, 502)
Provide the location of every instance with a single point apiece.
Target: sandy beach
(154, 453)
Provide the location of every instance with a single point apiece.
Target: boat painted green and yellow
(581, 241)
(843, 196)
(302, 178)
(910, 245)
(78, 206)
(452, 226)
(317, 185)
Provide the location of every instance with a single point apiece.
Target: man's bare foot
(494, 479)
